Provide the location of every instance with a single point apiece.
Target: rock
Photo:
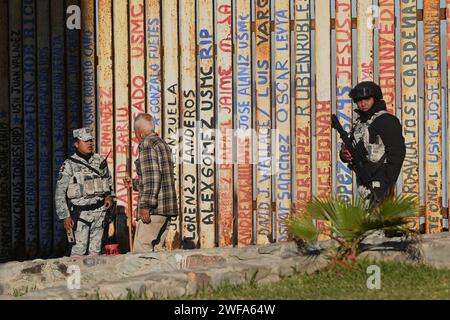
(10, 270)
(134, 265)
(253, 271)
(245, 254)
(290, 247)
(57, 293)
(197, 281)
(285, 269)
(167, 292)
(33, 269)
(435, 250)
(309, 264)
(203, 261)
(227, 275)
(269, 279)
(172, 284)
(94, 261)
(271, 248)
(122, 289)
(385, 256)
(61, 267)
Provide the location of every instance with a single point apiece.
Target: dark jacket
(388, 127)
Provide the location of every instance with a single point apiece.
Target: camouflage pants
(90, 233)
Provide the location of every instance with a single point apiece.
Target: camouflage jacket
(80, 185)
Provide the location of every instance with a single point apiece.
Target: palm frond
(398, 207)
(303, 228)
(350, 223)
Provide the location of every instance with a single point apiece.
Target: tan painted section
(263, 124)
(410, 99)
(105, 81)
(188, 119)
(171, 107)
(365, 25)
(283, 187)
(207, 170)
(121, 101)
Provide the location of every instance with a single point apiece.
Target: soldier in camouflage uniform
(381, 134)
(85, 189)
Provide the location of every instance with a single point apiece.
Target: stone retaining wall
(177, 273)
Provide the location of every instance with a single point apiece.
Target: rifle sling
(86, 165)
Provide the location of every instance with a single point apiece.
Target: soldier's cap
(83, 134)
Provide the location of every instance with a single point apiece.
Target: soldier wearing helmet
(381, 134)
(84, 193)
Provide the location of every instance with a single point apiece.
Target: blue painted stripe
(17, 130)
(45, 137)
(88, 78)
(73, 80)
(58, 108)
(30, 99)
(5, 185)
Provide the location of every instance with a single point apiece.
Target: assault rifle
(360, 163)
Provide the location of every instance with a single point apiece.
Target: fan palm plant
(350, 223)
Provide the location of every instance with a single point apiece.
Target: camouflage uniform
(85, 191)
(382, 136)
(375, 151)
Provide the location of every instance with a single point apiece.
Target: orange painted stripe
(225, 105)
(171, 97)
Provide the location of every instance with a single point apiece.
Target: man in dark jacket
(381, 135)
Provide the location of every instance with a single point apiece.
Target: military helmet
(364, 90)
(83, 134)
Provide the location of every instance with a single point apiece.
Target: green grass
(23, 291)
(398, 281)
